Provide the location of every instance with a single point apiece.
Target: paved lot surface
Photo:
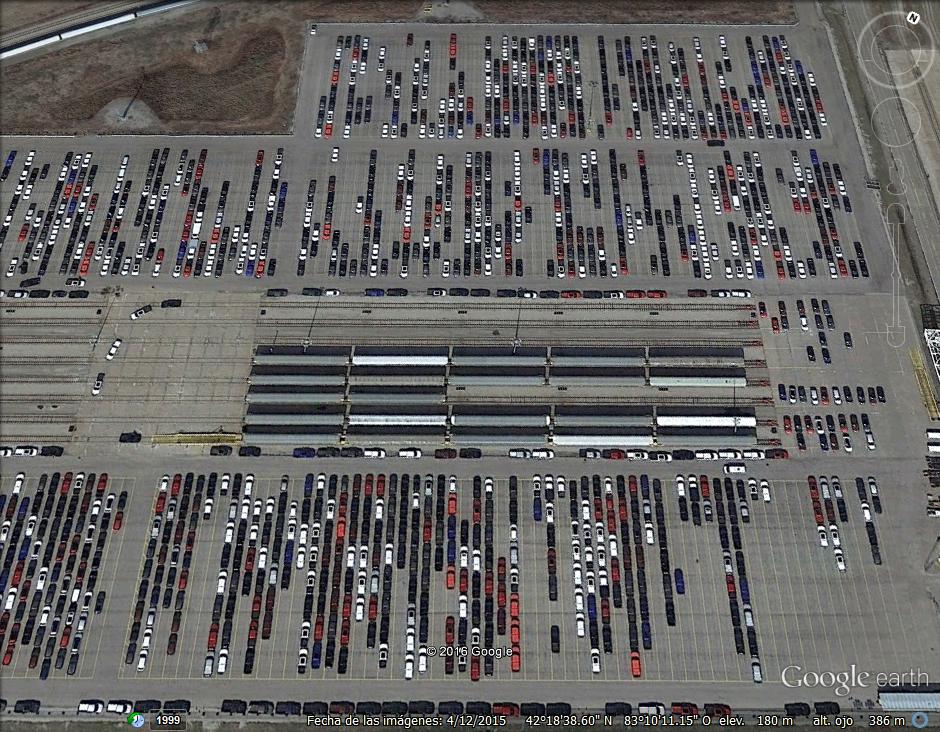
(806, 611)
(186, 369)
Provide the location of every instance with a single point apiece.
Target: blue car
(305, 452)
(537, 509)
(680, 582)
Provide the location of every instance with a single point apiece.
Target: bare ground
(246, 80)
(634, 11)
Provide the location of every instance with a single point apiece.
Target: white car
(112, 352)
(765, 490)
(90, 706)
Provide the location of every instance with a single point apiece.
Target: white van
(651, 708)
(735, 468)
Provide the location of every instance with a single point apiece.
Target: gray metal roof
(588, 419)
(296, 379)
(258, 400)
(271, 359)
(304, 419)
(698, 381)
(598, 351)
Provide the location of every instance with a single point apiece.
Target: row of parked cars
(263, 707)
(48, 585)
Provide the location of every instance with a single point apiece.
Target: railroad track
(11, 321)
(61, 22)
(338, 340)
(649, 400)
(34, 419)
(477, 304)
(476, 323)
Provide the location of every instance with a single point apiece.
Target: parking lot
(629, 210)
(611, 288)
(803, 608)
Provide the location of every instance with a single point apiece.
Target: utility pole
(516, 341)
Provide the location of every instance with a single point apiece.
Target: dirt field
(246, 79)
(634, 11)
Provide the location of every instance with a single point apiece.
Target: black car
(147, 706)
(531, 708)
(173, 302)
(797, 709)
(827, 707)
(450, 707)
(420, 707)
(618, 708)
(315, 709)
(220, 450)
(234, 706)
(27, 706)
(287, 708)
(556, 639)
(130, 437)
(471, 453)
(249, 451)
